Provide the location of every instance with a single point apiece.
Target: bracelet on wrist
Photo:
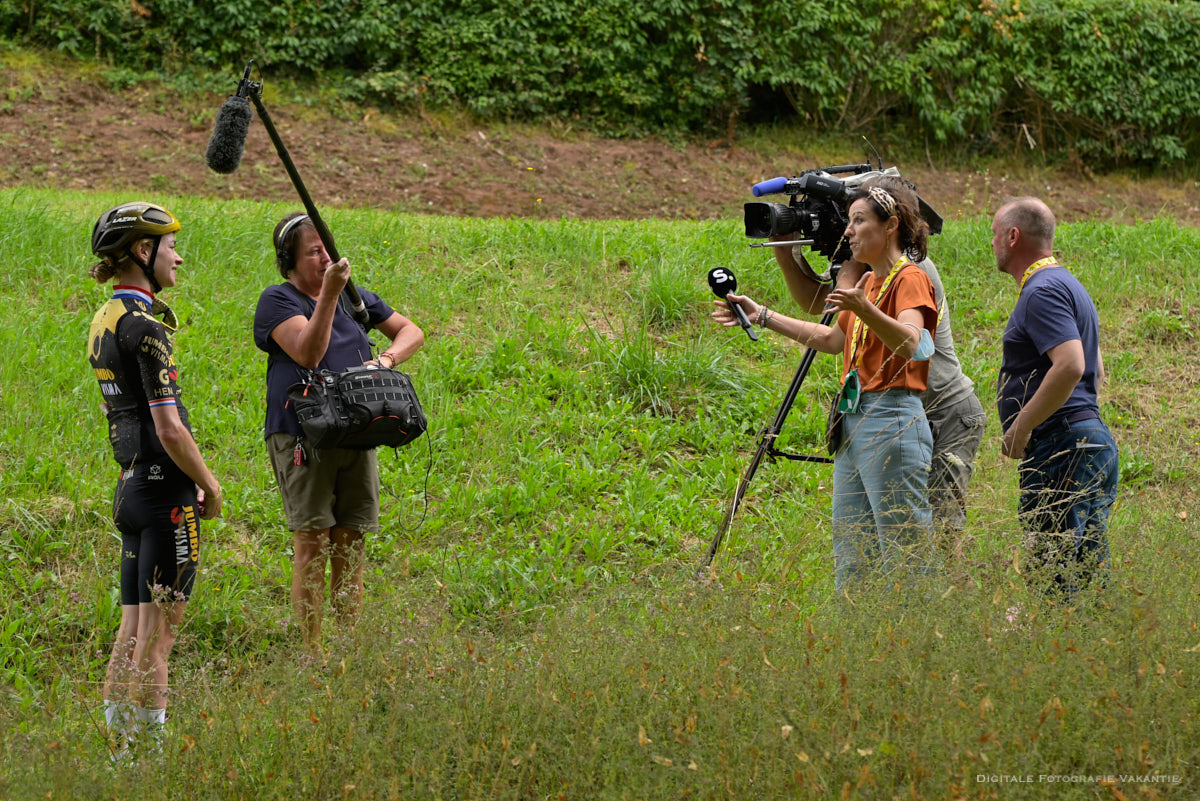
(762, 316)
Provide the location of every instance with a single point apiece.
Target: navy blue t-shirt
(1053, 308)
(349, 346)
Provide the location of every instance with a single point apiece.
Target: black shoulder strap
(305, 300)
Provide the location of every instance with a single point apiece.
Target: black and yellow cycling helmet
(119, 228)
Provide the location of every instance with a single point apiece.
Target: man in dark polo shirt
(1046, 396)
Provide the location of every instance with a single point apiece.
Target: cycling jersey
(135, 365)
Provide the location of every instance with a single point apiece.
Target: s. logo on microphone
(722, 281)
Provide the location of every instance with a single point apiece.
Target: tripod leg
(764, 445)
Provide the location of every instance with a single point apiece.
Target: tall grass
(541, 635)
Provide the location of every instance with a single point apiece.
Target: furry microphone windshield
(229, 135)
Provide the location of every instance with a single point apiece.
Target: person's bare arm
(899, 334)
(1066, 368)
(824, 338)
(801, 279)
(181, 447)
(406, 337)
(305, 339)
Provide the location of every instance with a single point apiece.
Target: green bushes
(1109, 82)
(1105, 81)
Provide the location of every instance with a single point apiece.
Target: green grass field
(541, 635)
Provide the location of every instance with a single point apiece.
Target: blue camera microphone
(722, 282)
(771, 187)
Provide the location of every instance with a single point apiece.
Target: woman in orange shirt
(884, 331)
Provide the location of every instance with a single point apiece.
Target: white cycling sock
(119, 716)
(152, 722)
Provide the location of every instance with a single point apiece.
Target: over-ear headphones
(284, 258)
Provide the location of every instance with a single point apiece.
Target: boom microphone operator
(722, 281)
(225, 154)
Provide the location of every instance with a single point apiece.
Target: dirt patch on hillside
(87, 137)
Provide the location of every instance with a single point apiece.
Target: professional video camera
(817, 210)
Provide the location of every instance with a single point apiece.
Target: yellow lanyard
(1037, 265)
(858, 323)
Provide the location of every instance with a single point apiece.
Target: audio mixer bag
(359, 408)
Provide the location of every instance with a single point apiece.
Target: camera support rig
(766, 446)
(815, 211)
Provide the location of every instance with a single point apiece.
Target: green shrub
(1098, 81)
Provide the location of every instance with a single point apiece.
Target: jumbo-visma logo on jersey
(187, 535)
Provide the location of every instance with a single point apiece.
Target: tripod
(766, 448)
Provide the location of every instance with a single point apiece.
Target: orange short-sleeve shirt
(880, 368)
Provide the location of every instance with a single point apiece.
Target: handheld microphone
(722, 282)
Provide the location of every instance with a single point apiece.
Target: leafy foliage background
(1111, 83)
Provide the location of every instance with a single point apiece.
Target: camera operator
(165, 486)
(330, 496)
(956, 416)
(1047, 399)
(881, 515)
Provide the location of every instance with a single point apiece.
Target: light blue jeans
(881, 515)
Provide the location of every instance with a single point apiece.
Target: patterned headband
(884, 199)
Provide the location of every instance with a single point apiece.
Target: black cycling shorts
(155, 511)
